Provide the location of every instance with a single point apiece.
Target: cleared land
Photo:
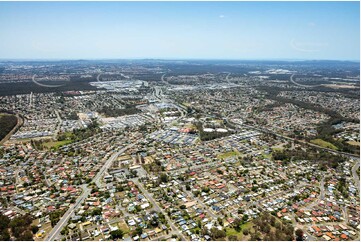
(228, 154)
(355, 143)
(323, 143)
(240, 236)
(56, 144)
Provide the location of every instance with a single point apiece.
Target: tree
(245, 232)
(216, 233)
(163, 178)
(273, 221)
(205, 189)
(97, 211)
(34, 229)
(220, 221)
(64, 231)
(240, 210)
(4, 235)
(237, 224)
(299, 234)
(233, 238)
(266, 229)
(7, 123)
(255, 236)
(26, 236)
(278, 225)
(4, 222)
(271, 237)
(117, 234)
(138, 230)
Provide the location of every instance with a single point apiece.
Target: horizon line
(175, 59)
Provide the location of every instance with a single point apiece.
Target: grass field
(186, 104)
(323, 143)
(57, 144)
(266, 156)
(228, 154)
(247, 225)
(277, 148)
(124, 227)
(355, 143)
(232, 231)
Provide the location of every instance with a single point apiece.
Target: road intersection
(54, 233)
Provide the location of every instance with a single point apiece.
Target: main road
(355, 176)
(108, 164)
(159, 209)
(58, 125)
(54, 233)
(227, 80)
(301, 85)
(263, 130)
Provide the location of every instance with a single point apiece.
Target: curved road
(227, 80)
(302, 85)
(162, 79)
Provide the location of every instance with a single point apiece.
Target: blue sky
(204, 30)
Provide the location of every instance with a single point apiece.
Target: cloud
(311, 24)
(307, 46)
(222, 16)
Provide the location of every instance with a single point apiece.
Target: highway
(263, 130)
(164, 81)
(58, 125)
(322, 188)
(158, 94)
(227, 80)
(31, 100)
(302, 85)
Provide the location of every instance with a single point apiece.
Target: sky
(180, 30)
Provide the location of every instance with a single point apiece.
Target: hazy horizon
(171, 59)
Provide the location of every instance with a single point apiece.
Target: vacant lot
(240, 236)
(228, 154)
(355, 143)
(323, 143)
(56, 144)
